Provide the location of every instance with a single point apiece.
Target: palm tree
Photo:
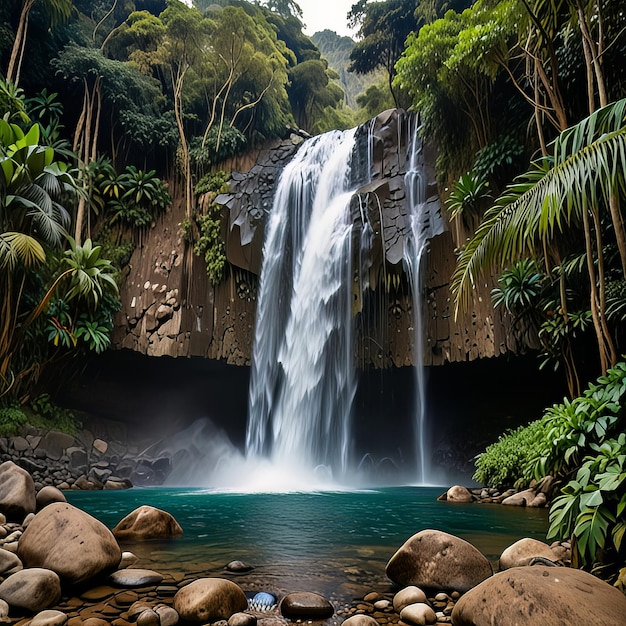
(585, 170)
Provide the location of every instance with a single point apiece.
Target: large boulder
(147, 522)
(432, 559)
(209, 600)
(522, 552)
(558, 596)
(17, 492)
(31, 589)
(70, 542)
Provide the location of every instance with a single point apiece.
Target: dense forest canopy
(524, 100)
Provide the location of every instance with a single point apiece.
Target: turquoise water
(317, 540)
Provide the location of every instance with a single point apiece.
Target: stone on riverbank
(17, 492)
(47, 495)
(306, 605)
(558, 596)
(147, 522)
(31, 589)
(49, 617)
(522, 552)
(209, 600)
(360, 620)
(9, 563)
(70, 542)
(419, 614)
(135, 577)
(432, 559)
(459, 494)
(406, 596)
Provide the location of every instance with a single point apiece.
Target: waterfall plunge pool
(336, 543)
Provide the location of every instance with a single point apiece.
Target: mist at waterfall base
(302, 431)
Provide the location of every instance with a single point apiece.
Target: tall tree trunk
(177, 81)
(19, 43)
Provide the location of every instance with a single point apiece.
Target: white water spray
(303, 377)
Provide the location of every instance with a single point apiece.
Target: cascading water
(415, 247)
(303, 377)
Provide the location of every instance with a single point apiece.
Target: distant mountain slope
(336, 49)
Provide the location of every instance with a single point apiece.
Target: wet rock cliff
(169, 306)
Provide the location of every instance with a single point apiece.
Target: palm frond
(544, 201)
(20, 248)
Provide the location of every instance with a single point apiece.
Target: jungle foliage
(581, 443)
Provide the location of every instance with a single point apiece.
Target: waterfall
(303, 376)
(424, 225)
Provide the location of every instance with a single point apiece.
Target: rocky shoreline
(59, 565)
(86, 461)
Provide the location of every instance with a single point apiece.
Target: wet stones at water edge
(433, 559)
(305, 605)
(70, 542)
(238, 567)
(147, 522)
(210, 599)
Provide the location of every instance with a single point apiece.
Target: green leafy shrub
(143, 196)
(12, 419)
(509, 461)
(213, 182)
(592, 505)
(557, 443)
(573, 429)
(42, 412)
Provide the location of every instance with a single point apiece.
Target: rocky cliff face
(170, 308)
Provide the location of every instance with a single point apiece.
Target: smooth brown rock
(32, 589)
(435, 560)
(522, 552)
(47, 495)
(306, 605)
(406, 596)
(239, 567)
(360, 620)
(168, 615)
(459, 494)
(148, 618)
(9, 563)
(558, 596)
(242, 619)
(17, 492)
(521, 498)
(147, 522)
(49, 617)
(70, 542)
(419, 614)
(94, 621)
(4, 609)
(209, 600)
(135, 577)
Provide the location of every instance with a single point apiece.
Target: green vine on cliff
(209, 243)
